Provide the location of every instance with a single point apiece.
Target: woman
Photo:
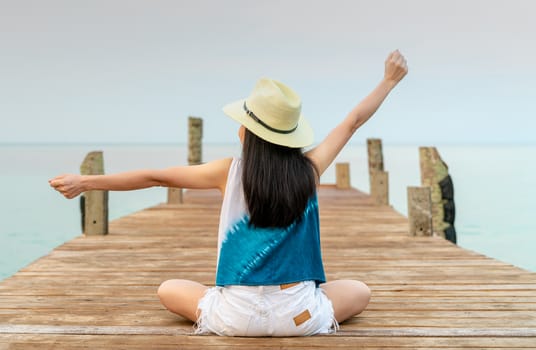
(270, 279)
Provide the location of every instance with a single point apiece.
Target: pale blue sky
(132, 71)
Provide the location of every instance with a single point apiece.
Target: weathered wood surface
(100, 291)
(195, 145)
(95, 203)
(342, 176)
(435, 174)
(378, 178)
(420, 211)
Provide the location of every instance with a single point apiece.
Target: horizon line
(229, 143)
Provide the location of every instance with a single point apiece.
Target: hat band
(255, 118)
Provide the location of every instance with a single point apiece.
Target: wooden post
(378, 178)
(379, 187)
(342, 175)
(420, 211)
(434, 174)
(174, 195)
(95, 203)
(195, 134)
(375, 155)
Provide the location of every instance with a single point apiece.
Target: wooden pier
(99, 292)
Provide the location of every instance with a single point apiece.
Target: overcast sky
(132, 71)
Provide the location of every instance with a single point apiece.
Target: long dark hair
(278, 182)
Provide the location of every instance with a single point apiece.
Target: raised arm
(324, 154)
(205, 176)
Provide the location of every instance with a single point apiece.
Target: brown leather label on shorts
(288, 285)
(301, 318)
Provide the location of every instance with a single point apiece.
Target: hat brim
(303, 136)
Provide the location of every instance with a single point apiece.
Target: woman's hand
(69, 185)
(396, 68)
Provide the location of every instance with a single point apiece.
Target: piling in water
(195, 134)
(342, 175)
(434, 174)
(94, 203)
(378, 178)
(420, 211)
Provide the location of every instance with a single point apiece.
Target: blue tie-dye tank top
(252, 256)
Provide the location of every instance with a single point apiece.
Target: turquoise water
(494, 192)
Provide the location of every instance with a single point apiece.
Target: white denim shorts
(296, 309)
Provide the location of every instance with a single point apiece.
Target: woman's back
(253, 255)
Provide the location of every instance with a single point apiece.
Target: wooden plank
(34, 341)
(361, 332)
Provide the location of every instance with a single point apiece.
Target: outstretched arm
(209, 175)
(324, 154)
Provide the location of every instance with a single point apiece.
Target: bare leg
(181, 297)
(349, 298)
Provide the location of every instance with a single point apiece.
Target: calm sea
(494, 193)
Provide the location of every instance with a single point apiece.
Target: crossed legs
(348, 297)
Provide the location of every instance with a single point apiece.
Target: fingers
(396, 57)
(401, 62)
(393, 56)
(57, 182)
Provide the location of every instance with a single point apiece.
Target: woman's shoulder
(220, 165)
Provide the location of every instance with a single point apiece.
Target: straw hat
(273, 112)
